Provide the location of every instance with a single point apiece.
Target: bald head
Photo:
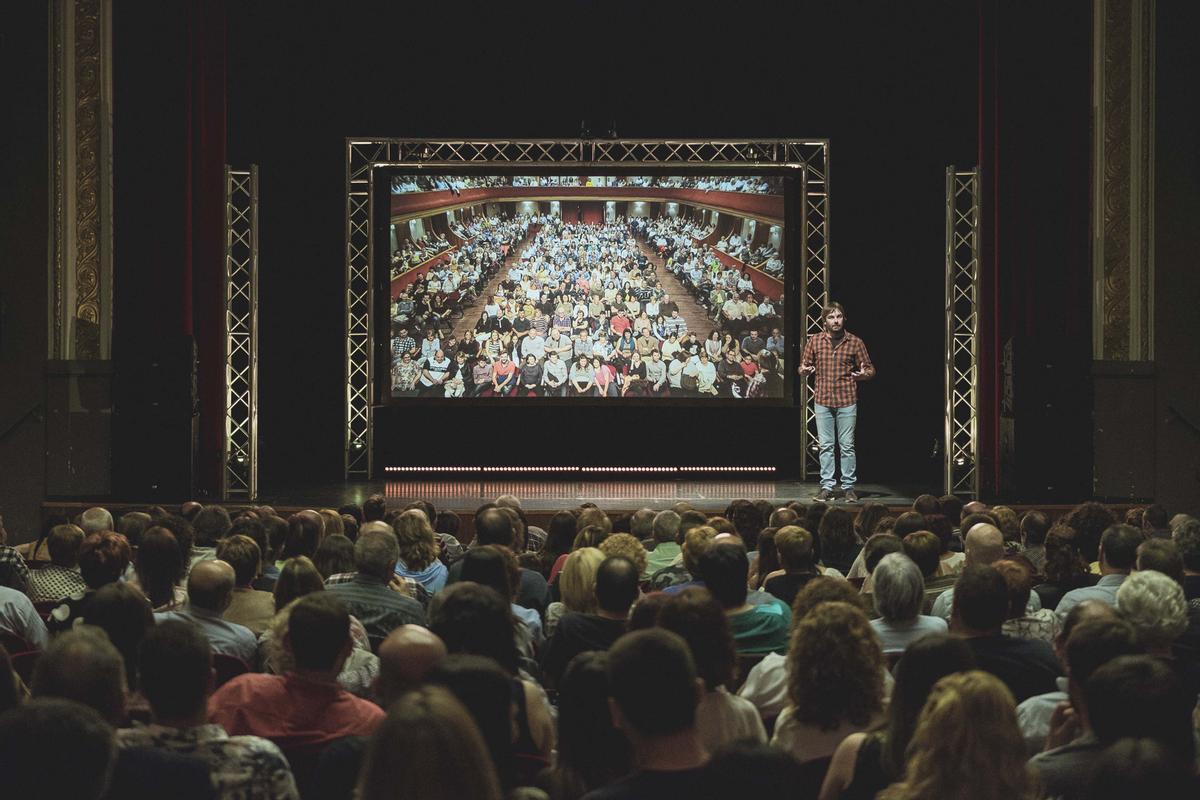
(376, 526)
(210, 585)
(96, 520)
(984, 544)
(974, 507)
(405, 658)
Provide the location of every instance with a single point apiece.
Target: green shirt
(762, 628)
(663, 555)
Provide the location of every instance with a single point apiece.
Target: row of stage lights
(578, 470)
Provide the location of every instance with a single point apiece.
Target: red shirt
(834, 386)
(290, 710)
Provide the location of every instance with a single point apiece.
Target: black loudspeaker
(1049, 431)
(79, 407)
(156, 422)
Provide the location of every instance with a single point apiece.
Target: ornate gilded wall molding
(80, 269)
(1123, 213)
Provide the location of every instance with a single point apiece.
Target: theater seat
(228, 667)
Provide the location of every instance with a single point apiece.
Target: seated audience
(160, 568)
(18, 617)
(925, 549)
(576, 586)
(1042, 624)
(795, 548)
(428, 748)
(334, 556)
(866, 763)
(210, 593)
(1064, 568)
(123, 613)
(616, 591)
(966, 744)
(1142, 767)
(175, 665)
(103, 559)
(665, 529)
(482, 686)
(419, 551)
(494, 526)
(1026, 666)
(899, 592)
(248, 606)
(32, 767)
(686, 571)
(305, 708)
(1118, 554)
(496, 567)
(721, 717)
(835, 682)
(61, 578)
(367, 596)
(983, 546)
(758, 628)
(654, 691)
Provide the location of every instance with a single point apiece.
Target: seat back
(14, 644)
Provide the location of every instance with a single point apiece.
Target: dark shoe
(824, 496)
(850, 496)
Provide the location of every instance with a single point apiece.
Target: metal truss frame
(961, 470)
(363, 155)
(239, 473)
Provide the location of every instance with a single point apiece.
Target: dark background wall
(898, 105)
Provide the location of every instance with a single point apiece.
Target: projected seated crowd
(535, 306)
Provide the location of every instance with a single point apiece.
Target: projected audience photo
(652, 294)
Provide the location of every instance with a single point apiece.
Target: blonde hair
(966, 744)
(695, 542)
(626, 544)
(428, 747)
(418, 545)
(333, 522)
(577, 581)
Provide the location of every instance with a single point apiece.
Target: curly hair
(966, 744)
(823, 589)
(103, 558)
(838, 542)
(418, 546)
(1155, 605)
(1090, 521)
(625, 544)
(835, 668)
(1065, 566)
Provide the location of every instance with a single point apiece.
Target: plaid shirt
(13, 571)
(834, 386)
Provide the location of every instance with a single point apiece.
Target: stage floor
(552, 495)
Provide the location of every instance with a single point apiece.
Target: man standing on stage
(839, 359)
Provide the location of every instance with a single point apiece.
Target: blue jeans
(837, 422)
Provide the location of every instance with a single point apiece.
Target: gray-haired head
(641, 524)
(376, 552)
(666, 526)
(96, 520)
(1155, 605)
(899, 588)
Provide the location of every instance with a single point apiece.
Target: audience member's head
(951, 506)
(878, 546)
(103, 558)
(132, 525)
(405, 657)
(1019, 580)
(925, 549)
(924, 663)
(476, 619)
(305, 530)
(751, 769)
(653, 684)
(38, 738)
(838, 543)
(84, 666)
(1090, 520)
(823, 589)
(160, 565)
(940, 527)
(1155, 517)
(641, 524)
(1140, 696)
(376, 552)
(1141, 768)
(1033, 528)
(243, 554)
(485, 690)
(318, 634)
(966, 744)
(96, 520)
(1118, 548)
(617, 586)
(1065, 567)
(577, 580)
(795, 548)
(696, 616)
(899, 588)
(251, 525)
(335, 555)
(297, 577)
(211, 525)
(980, 600)
(210, 586)
(1187, 541)
(627, 546)
(665, 526)
(695, 544)
(926, 504)
(430, 746)
(1092, 643)
(725, 569)
(983, 544)
(123, 613)
(782, 517)
(63, 543)
(866, 519)
(835, 668)
(494, 566)
(175, 665)
(1160, 555)
(1156, 607)
(644, 613)
(590, 750)
(373, 508)
(493, 526)
(908, 522)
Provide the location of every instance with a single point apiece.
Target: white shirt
(723, 718)
(19, 617)
(944, 605)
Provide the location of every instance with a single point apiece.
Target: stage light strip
(577, 470)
